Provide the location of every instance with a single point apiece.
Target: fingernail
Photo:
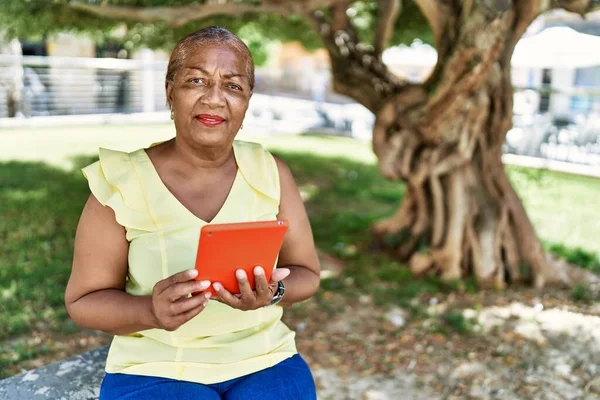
(217, 286)
(192, 273)
(259, 271)
(204, 284)
(240, 274)
(207, 295)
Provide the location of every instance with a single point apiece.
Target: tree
(443, 137)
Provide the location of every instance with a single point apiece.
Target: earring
(172, 114)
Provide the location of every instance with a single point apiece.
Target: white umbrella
(558, 47)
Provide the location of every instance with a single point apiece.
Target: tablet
(225, 248)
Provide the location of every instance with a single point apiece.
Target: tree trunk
(460, 214)
(444, 138)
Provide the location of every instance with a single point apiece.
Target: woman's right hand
(171, 304)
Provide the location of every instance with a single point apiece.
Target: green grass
(581, 293)
(40, 204)
(578, 256)
(564, 209)
(40, 209)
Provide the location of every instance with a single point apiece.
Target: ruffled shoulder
(258, 167)
(114, 182)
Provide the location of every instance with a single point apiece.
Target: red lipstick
(210, 120)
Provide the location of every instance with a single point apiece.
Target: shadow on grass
(40, 207)
(343, 198)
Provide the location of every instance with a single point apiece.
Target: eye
(234, 86)
(196, 80)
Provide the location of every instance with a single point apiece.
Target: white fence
(37, 86)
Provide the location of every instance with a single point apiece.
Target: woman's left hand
(249, 299)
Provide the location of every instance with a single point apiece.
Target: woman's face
(210, 95)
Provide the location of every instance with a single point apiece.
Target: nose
(213, 97)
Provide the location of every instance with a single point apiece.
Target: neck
(201, 157)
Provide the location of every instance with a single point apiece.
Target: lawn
(42, 193)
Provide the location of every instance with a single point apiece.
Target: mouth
(210, 120)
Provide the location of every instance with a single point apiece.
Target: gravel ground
(520, 345)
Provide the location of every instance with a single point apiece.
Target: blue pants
(290, 379)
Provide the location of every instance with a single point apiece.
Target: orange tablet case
(225, 248)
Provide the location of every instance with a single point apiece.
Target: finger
(185, 317)
(226, 297)
(262, 286)
(272, 289)
(245, 288)
(185, 305)
(182, 276)
(279, 274)
(179, 290)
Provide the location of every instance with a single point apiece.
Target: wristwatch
(278, 294)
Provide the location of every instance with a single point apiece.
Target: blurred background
(555, 72)
(373, 331)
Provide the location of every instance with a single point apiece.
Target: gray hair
(209, 35)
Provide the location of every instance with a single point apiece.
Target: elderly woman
(136, 244)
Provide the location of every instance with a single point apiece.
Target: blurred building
(67, 74)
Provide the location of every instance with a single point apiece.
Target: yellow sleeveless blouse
(221, 343)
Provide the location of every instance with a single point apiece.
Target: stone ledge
(77, 378)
